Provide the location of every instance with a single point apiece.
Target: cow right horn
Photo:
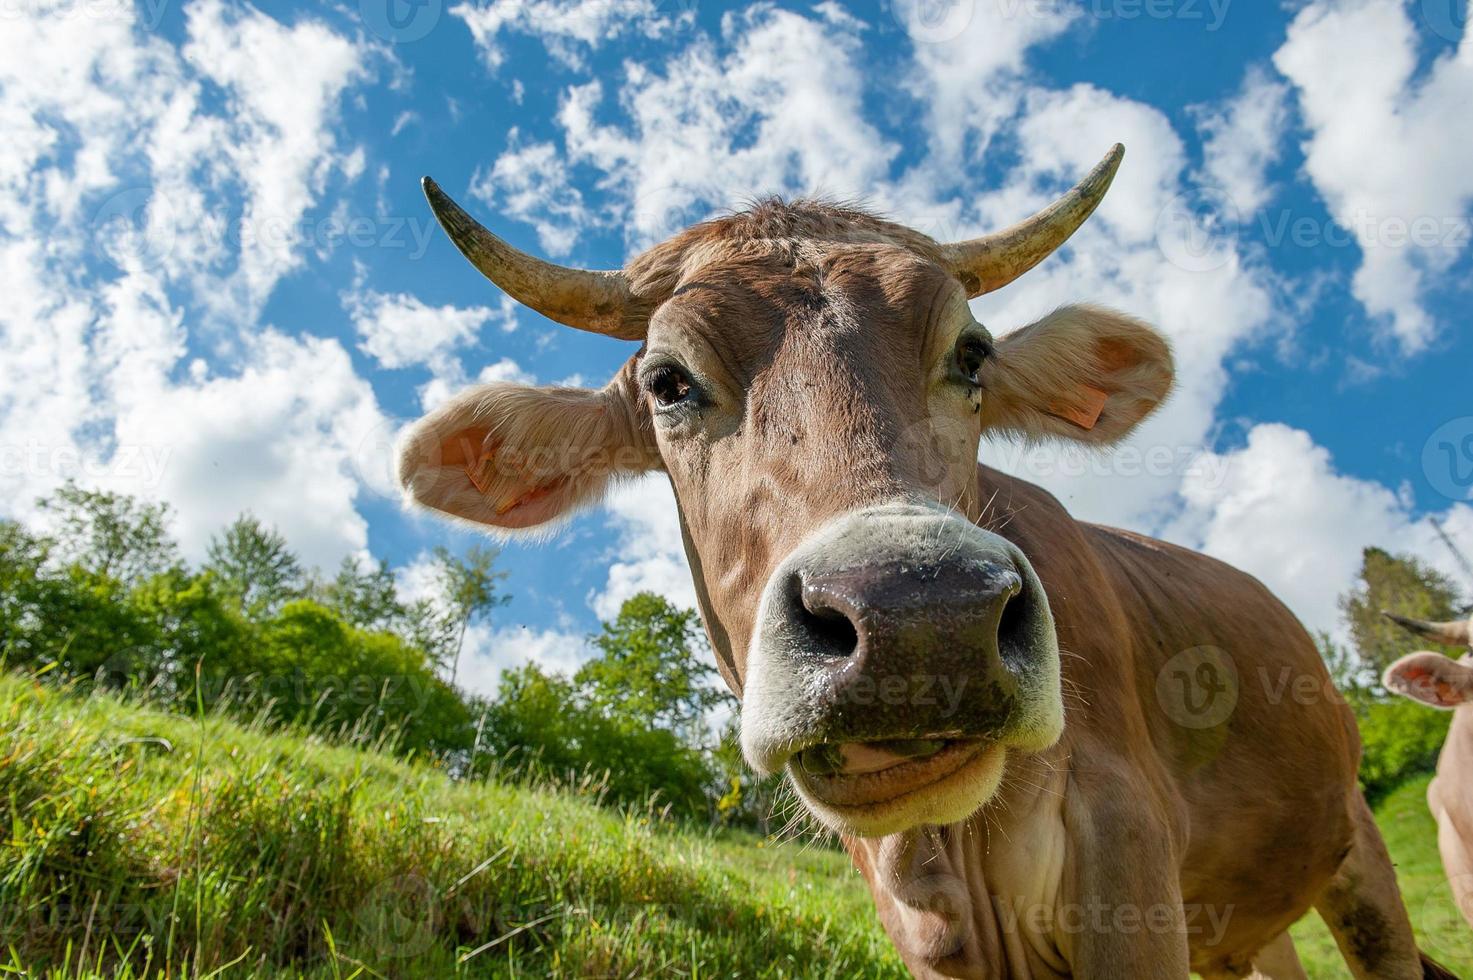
(1454, 634)
(992, 261)
(596, 301)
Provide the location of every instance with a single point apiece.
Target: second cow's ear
(1081, 373)
(512, 456)
(1431, 678)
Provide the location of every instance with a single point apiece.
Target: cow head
(1433, 678)
(815, 386)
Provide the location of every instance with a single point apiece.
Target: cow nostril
(832, 631)
(828, 625)
(1012, 626)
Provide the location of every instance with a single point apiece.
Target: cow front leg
(1121, 915)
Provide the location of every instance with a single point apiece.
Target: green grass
(144, 843)
(224, 848)
(1411, 837)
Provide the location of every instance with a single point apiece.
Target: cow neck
(976, 899)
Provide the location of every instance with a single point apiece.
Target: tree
(253, 562)
(366, 596)
(650, 671)
(111, 534)
(468, 592)
(1399, 584)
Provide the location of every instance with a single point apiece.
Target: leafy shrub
(1399, 739)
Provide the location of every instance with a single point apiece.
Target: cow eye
(971, 354)
(670, 385)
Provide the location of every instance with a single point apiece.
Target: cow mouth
(871, 774)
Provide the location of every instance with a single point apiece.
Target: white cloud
(651, 557)
(400, 330)
(567, 28)
(450, 379)
(491, 648)
(966, 69)
(529, 182)
(779, 111)
(1242, 138)
(1380, 152)
(138, 200)
(290, 438)
(1284, 514)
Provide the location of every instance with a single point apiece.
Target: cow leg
(1278, 961)
(1362, 906)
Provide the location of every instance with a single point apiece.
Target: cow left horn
(1454, 634)
(992, 261)
(596, 301)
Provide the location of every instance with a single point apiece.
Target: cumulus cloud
(775, 106)
(399, 330)
(152, 195)
(490, 648)
(529, 182)
(569, 29)
(1379, 150)
(649, 555)
(1242, 138)
(1284, 513)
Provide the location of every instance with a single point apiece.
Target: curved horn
(596, 301)
(992, 261)
(1454, 634)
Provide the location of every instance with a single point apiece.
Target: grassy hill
(140, 837)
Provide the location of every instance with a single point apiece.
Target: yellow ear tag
(1085, 412)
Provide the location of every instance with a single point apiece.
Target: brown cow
(1446, 683)
(1030, 732)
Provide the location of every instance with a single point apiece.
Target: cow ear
(1431, 678)
(512, 456)
(1081, 373)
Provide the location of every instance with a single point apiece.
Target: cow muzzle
(900, 652)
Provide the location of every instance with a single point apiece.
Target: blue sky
(223, 287)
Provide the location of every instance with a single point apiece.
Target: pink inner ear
(1429, 685)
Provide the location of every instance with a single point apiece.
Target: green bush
(1399, 739)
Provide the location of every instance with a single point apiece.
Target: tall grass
(142, 843)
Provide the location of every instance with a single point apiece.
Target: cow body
(1450, 797)
(1121, 776)
(1133, 808)
(1441, 682)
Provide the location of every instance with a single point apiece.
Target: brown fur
(822, 340)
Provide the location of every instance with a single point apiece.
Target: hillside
(136, 831)
(131, 832)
